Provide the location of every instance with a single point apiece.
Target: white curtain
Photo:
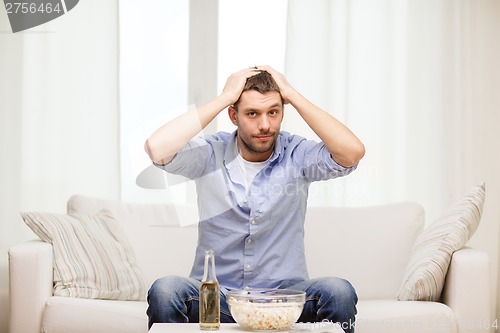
(419, 82)
(58, 118)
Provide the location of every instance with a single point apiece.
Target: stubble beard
(254, 148)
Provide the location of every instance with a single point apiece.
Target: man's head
(258, 114)
(263, 83)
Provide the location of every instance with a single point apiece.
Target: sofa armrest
(467, 290)
(30, 284)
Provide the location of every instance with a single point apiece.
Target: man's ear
(233, 115)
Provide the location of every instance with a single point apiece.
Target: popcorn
(274, 315)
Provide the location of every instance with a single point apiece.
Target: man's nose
(264, 123)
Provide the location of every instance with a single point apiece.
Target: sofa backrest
(161, 245)
(369, 246)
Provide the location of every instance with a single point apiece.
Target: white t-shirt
(250, 169)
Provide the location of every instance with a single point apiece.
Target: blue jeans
(174, 299)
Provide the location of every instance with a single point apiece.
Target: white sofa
(369, 246)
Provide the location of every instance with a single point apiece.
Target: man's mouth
(265, 137)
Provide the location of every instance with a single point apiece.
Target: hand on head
(235, 84)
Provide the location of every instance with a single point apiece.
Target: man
(252, 196)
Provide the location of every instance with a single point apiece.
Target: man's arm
(345, 148)
(170, 138)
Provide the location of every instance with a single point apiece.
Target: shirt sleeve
(318, 164)
(190, 161)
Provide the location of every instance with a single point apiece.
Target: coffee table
(191, 328)
(224, 328)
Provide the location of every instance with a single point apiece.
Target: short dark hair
(263, 83)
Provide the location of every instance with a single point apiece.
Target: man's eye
(252, 114)
(273, 113)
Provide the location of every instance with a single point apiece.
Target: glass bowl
(266, 309)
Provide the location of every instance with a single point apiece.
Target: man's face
(258, 119)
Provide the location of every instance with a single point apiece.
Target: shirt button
(247, 266)
(253, 222)
(249, 240)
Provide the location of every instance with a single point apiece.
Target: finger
(247, 72)
(251, 72)
(265, 68)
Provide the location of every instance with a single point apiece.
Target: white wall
(58, 119)
(481, 153)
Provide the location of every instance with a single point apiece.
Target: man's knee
(343, 288)
(338, 288)
(170, 300)
(170, 287)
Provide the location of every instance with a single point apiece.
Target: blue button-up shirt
(257, 235)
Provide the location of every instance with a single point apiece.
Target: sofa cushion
(384, 316)
(92, 256)
(74, 315)
(369, 246)
(71, 315)
(432, 252)
(162, 245)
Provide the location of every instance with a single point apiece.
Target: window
(250, 33)
(155, 63)
(153, 82)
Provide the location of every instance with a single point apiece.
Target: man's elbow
(154, 154)
(354, 155)
(359, 152)
(149, 148)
